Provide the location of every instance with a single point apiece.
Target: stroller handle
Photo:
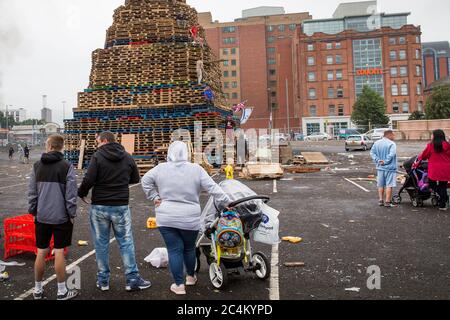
(265, 199)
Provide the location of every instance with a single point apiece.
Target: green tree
(11, 121)
(417, 115)
(438, 104)
(31, 122)
(370, 108)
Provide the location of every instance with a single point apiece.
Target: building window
(392, 41)
(226, 85)
(312, 93)
(311, 76)
(329, 59)
(233, 50)
(403, 71)
(292, 26)
(330, 75)
(274, 105)
(272, 61)
(420, 106)
(395, 107)
(419, 89)
(271, 50)
(394, 89)
(417, 39)
(281, 27)
(402, 54)
(234, 84)
(341, 110)
(272, 72)
(418, 54)
(273, 83)
(331, 110)
(404, 89)
(235, 96)
(313, 111)
(338, 59)
(270, 28)
(229, 29)
(418, 71)
(234, 74)
(402, 40)
(330, 93)
(339, 74)
(271, 39)
(338, 45)
(393, 55)
(405, 107)
(329, 46)
(226, 74)
(229, 40)
(394, 72)
(273, 94)
(226, 95)
(233, 62)
(311, 61)
(310, 47)
(225, 52)
(340, 93)
(226, 63)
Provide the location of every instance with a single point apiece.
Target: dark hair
(56, 142)
(388, 132)
(438, 140)
(108, 136)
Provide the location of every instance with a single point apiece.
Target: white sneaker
(178, 290)
(191, 281)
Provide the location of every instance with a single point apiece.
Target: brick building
(436, 61)
(337, 57)
(257, 65)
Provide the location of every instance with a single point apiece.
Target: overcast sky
(46, 45)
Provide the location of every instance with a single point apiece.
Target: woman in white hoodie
(174, 187)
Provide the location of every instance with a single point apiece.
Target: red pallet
(20, 237)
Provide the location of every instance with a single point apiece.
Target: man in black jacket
(110, 173)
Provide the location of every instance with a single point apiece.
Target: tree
(417, 115)
(31, 122)
(11, 121)
(438, 104)
(370, 109)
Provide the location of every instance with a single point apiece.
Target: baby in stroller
(416, 184)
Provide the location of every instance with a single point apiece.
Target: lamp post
(269, 91)
(7, 127)
(64, 110)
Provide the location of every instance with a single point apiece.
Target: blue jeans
(181, 247)
(119, 218)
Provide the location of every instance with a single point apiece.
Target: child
(52, 197)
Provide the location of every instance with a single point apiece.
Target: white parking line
(16, 185)
(274, 276)
(354, 183)
(53, 277)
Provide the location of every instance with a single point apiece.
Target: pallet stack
(144, 83)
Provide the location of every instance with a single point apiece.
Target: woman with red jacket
(438, 155)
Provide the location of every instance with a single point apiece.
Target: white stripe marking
(274, 276)
(275, 187)
(354, 183)
(135, 185)
(53, 277)
(16, 185)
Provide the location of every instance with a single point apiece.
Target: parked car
(358, 142)
(321, 136)
(376, 134)
(281, 137)
(345, 133)
(299, 137)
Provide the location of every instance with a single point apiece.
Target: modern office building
(337, 57)
(19, 115)
(436, 61)
(256, 53)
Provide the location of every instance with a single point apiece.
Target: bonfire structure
(155, 75)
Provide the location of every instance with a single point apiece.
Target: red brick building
(436, 61)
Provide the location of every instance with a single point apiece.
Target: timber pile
(144, 84)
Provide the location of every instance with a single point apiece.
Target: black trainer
(38, 295)
(70, 294)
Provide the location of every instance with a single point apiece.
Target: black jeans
(440, 187)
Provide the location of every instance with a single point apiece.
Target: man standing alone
(384, 154)
(110, 173)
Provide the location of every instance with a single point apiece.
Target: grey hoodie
(178, 184)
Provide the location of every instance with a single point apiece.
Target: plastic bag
(268, 230)
(159, 258)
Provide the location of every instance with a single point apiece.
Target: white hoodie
(178, 184)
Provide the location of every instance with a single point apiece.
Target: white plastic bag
(159, 258)
(268, 230)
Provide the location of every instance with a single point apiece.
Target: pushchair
(416, 185)
(226, 238)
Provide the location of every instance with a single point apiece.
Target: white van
(376, 134)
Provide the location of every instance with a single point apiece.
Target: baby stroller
(416, 185)
(229, 249)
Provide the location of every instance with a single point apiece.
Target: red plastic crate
(20, 237)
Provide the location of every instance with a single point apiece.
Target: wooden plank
(263, 171)
(128, 142)
(81, 158)
(315, 158)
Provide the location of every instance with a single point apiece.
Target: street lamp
(64, 110)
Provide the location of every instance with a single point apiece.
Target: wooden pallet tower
(148, 81)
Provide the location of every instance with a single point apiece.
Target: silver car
(358, 142)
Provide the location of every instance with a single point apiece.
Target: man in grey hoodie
(52, 197)
(175, 188)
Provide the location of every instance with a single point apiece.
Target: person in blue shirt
(384, 154)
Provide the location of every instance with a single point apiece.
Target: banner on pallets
(246, 114)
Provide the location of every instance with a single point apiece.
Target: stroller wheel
(397, 199)
(415, 203)
(262, 265)
(218, 275)
(434, 201)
